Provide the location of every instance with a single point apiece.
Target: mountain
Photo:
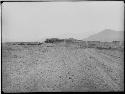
(106, 36)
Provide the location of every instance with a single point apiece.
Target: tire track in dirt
(118, 61)
(103, 60)
(100, 63)
(74, 65)
(107, 58)
(95, 70)
(114, 69)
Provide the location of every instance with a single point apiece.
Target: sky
(36, 21)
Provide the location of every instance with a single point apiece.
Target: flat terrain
(49, 67)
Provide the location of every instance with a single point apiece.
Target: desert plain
(51, 67)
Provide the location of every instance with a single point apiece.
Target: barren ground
(41, 68)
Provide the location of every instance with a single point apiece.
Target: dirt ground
(55, 68)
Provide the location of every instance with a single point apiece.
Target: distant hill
(106, 36)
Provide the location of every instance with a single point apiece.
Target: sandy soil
(50, 68)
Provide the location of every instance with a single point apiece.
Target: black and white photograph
(63, 46)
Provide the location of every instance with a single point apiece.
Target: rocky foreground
(46, 68)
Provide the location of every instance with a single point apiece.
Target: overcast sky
(34, 21)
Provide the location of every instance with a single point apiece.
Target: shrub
(53, 40)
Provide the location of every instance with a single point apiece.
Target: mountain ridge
(106, 35)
